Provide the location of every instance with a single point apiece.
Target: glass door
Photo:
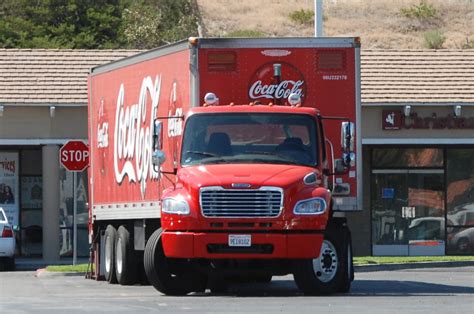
(408, 212)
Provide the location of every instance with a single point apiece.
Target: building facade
(43, 104)
(418, 153)
(417, 136)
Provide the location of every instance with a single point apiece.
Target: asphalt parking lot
(435, 290)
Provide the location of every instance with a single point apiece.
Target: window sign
(388, 193)
(408, 212)
(32, 192)
(9, 186)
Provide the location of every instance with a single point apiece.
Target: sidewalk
(25, 263)
(388, 267)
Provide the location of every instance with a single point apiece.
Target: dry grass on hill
(379, 23)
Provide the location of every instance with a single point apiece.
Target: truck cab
(252, 191)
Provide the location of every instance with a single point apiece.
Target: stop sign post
(74, 156)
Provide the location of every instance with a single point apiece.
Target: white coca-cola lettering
(281, 90)
(175, 125)
(103, 135)
(133, 135)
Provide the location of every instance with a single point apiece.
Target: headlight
(175, 206)
(312, 206)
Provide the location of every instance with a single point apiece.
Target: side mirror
(16, 228)
(157, 135)
(339, 167)
(347, 143)
(158, 156)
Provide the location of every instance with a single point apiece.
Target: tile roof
(50, 76)
(41, 76)
(426, 76)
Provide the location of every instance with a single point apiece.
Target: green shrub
(302, 16)
(421, 11)
(245, 33)
(434, 39)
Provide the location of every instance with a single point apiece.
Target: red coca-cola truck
(214, 160)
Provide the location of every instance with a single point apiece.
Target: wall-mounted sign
(396, 120)
(391, 119)
(388, 193)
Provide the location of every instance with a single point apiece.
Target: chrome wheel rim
(326, 265)
(118, 254)
(108, 253)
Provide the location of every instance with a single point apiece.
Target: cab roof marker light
(193, 41)
(210, 99)
(294, 100)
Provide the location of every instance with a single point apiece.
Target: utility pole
(318, 18)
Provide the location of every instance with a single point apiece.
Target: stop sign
(74, 156)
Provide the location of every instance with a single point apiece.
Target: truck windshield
(273, 138)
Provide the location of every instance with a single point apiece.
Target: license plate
(240, 240)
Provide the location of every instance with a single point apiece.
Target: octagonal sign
(74, 156)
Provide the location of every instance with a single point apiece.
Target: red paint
(194, 245)
(123, 102)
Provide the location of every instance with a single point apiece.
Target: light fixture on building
(457, 110)
(2, 108)
(52, 111)
(407, 110)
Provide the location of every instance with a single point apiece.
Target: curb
(388, 267)
(42, 272)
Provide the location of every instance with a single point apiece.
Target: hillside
(382, 24)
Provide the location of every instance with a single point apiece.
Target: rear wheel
(327, 273)
(125, 269)
(160, 274)
(109, 260)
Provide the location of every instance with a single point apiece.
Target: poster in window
(32, 192)
(9, 185)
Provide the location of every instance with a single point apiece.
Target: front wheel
(327, 273)
(176, 281)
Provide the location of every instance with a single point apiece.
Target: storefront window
(408, 201)
(66, 213)
(460, 201)
(407, 157)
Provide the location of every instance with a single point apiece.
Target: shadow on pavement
(360, 288)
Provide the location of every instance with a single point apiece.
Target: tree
(152, 23)
(95, 23)
(60, 24)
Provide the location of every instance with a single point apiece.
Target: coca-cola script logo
(133, 134)
(276, 81)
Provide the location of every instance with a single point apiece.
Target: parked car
(426, 228)
(463, 241)
(7, 243)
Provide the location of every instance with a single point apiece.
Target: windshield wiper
(201, 153)
(259, 153)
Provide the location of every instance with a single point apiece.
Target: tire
(348, 276)
(325, 274)
(159, 275)
(463, 245)
(125, 268)
(109, 260)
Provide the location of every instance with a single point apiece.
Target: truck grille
(219, 202)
